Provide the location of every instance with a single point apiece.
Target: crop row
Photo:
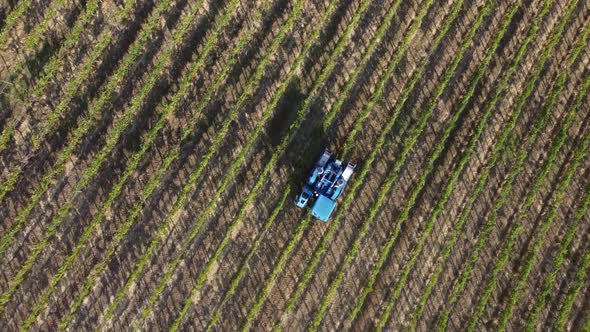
(33, 40)
(147, 191)
(518, 228)
(572, 230)
(271, 281)
(12, 19)
(531, 257)
(438, 149)
(496, 153)
(541, 178)
(415, 134)
(249, 199)
(517, 168)
(151, 136)
(278, 267)
(94, 114)
(351, 136)
(188, 129)
(352, 79)
(50, 123)
(171, 157)
(558, 262)
(245, 267)
(8, 184)
(359, 179)
(269, 166)
(326, 239)
(219, 139)
(123, 12)
(579, 279)
(353, 250)
(226, 182)
(464, 159)
(91, 61)
(397, 57)
(49, 71)
(71, 89)
(96, 163)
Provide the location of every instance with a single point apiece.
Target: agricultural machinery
(325, 183)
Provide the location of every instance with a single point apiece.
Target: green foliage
(54, 63)
(518, 167)
(499, 147)
(386, 187)
(57, 60)
(564, 247)
(458, 169)
(9, 183)
(579, 280)
(439, 147)
(219, 80)
(375, 41)
(541, 178)
(86, 179)
(245, 267)
(325, 72)
(11, 20)
(163, 61)
(187, 189)
(94, 114)
(532, 256)
(135, 161)
(5, 137)
(302, 284)
(465, 157)
(230, 175)
(322, 77)
(278, 267)
(32, 41)
(125, 69)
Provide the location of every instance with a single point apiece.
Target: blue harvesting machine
(324, 185)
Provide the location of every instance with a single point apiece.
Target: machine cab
(324, 185)
(304, 197)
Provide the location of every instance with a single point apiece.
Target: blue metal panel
(323, 208)
(324, 185)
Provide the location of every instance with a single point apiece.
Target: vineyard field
(151, 154)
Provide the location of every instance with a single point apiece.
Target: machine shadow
(309, 141)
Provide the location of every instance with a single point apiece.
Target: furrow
(138, 156)
(49, 71)
(507, 247)
(398, 286)
(495, 155)
(385, 188)
(326, 239)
